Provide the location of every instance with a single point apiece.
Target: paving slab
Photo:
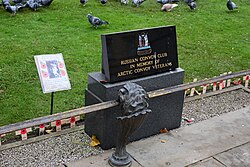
(236, 157)
(193, 143)
(210, 162)
(100, 160)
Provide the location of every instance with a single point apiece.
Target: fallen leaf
(94, 141)
(49, 131)
(164, 130)
(163, 141)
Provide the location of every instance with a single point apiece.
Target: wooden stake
(229, 80)
(2, 135)
(73, 121)
(221, 85)
(193, 89)
(204, 89)
(224, 81)
(41, 129)
(214, 86)
(58, 125)
(186, 92)
(23, 133)
(246, 80)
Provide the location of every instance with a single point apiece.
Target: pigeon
(6, 3)
(192, 5)
(138, 2)
(19, 1)
(189, 1)
(44, 2)
(95, 21)
(168, 7)
(125, 2)
(13, 9)
(167, 1)
(104, 1)
(163, 1)
(231, 5)
(33, 4)
(83, 2)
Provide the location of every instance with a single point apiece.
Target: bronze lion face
(133, 99)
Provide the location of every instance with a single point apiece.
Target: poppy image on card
(43, 65)
(63, 73)
(61, 65)
(45, 74)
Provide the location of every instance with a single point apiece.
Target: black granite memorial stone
(133, 54)
(146, 57)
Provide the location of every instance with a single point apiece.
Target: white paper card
(52, 72)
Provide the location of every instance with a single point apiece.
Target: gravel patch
(205, 108)
(73, 146)
(50, 152)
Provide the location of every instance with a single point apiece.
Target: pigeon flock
(20, 4)
(167, 5)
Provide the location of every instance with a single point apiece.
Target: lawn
(211, 40)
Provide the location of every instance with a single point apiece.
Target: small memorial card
(52, 72)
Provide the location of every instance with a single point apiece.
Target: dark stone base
(166, 110)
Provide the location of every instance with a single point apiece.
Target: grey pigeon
(138, 2)
(192, 5)
(13, 9)
(167, 1)
(83, 2)
(44, 2)
(104, 1)
(231, 5)
(33, 4)
(95, 21)
(19, 1)
(163, 1)
(189, 1)
(6, 3)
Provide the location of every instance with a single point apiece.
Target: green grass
(210, 40)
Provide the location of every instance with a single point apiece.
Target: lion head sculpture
(133, 99)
